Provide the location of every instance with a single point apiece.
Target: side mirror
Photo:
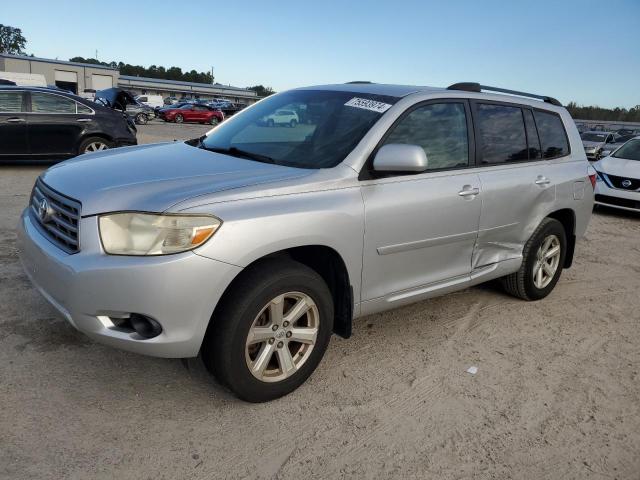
(398, 157)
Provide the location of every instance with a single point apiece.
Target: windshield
(629, 151)
(594, 137)
(301, 128)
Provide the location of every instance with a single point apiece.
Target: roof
(58, 62)
(376, 88)
(132, 78)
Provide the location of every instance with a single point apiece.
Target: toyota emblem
(626, 183)
(44, 211)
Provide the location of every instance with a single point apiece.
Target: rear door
(517, 184)
(420, 229)
(54, 126)
(13, 124)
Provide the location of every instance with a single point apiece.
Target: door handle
(84, 120)
(468, 191)
(15, 120)
(541, 180)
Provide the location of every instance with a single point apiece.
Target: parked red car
(192, 113)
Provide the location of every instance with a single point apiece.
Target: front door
(421, 229)
(13, 125)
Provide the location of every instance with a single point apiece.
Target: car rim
(178, 119)
(95, 147)
(547, 261)
(282, 337)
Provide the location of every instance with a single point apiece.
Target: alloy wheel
(547, 261)
(95, 147)
(282, 337)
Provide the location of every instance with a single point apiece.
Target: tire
(226, 351)
(214, 121)
(141, 119)
(178, 118)
(94, 144)
(522, 284)
(270, 122)
(293, 123)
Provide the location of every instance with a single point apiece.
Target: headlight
(154, 234)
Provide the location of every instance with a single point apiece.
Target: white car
(152, 101)
(282, 117)
(618, 182)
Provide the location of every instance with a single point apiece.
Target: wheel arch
(324, 260)
(567, 217)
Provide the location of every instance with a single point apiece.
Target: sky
(584, 51)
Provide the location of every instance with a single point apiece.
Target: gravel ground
(556, 395)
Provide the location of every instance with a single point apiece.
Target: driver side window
(440, 129)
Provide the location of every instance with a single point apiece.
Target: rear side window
(552, 135)
(440, 129)
(45, 103)
(83, 108)
(502, 135)
(532, 135)
(10, 102)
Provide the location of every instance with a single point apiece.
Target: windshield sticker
(368, 105)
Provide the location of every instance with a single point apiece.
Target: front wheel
(179, 118)
(271, 331)
(293, 123)
(141, 119)
(542, 262)
(214, 121)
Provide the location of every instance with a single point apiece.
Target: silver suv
(251, 245)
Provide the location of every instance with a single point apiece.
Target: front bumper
(616, 198)
(592, 155)
(88, 288)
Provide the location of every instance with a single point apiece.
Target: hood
(619, 167)
(587, 144)
(154, 177)
(115, 98)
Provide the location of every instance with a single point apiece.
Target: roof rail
(358, 81)
(476, 87)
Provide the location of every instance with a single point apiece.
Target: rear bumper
(90, 288)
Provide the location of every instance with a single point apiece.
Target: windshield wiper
(236, 152)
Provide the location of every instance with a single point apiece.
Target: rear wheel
(271, 331)
(141, 119)
(179, 118)
(270, 122)
(293, 123)
(94, 144)
(542, 263)
(214, 120)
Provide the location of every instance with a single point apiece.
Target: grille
(617, 182)
(621, 202)
(57, 216)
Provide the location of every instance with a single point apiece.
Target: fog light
(145, 326)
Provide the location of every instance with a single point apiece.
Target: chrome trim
(62, 226)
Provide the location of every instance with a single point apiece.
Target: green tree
(262, 91)
(11, 40)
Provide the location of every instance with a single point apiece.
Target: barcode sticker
(368, 105)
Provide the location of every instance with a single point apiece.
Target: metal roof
(58, 62)
(132, 78)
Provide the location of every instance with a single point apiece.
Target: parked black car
(119, 99)
(37, 122)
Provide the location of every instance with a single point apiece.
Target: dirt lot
(557, 393)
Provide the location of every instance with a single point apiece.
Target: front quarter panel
(255, 228)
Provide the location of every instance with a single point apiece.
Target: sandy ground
(557, 393)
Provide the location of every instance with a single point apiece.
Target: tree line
(604, 114)
(154, 71)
